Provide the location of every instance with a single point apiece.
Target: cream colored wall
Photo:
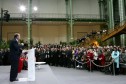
(9, 30)
(46, 33)
(49, 34)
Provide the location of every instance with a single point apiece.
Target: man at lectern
(15, 52)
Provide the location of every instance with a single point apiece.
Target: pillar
(71, 21)
(122, 18)
(29, 22)
(67, 16)
(101, 9)
(111, 18)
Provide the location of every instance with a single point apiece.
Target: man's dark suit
(15, 52)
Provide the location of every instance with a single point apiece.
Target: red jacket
(88, 57)
(101, 59)
(20, 65)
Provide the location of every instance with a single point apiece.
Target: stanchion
(113, 69)
(90, 65)
(75, 64)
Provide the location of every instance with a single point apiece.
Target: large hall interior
(74, 41)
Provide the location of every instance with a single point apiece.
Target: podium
(31, 66)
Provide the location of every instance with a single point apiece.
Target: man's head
(17, 36)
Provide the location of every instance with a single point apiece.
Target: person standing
(89, 57)
(101, 60)
(15, 52)
(115, 56)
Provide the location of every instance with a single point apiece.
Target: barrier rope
(81, 62)
(104, 65)
(123, 63)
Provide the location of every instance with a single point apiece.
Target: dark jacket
(15, 50)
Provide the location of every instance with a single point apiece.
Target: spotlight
(22, 8)
(35, 8)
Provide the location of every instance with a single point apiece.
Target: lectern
(31, 66)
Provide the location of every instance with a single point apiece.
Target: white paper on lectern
(31, 65)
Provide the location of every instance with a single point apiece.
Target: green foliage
(111, 42)
(74, 43)
(63, 43)
(21, 41)
(4, 44)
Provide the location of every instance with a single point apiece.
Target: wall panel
(47, 33)
(11, 29)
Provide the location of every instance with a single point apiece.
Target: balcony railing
(54, 15)
(86, 16)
